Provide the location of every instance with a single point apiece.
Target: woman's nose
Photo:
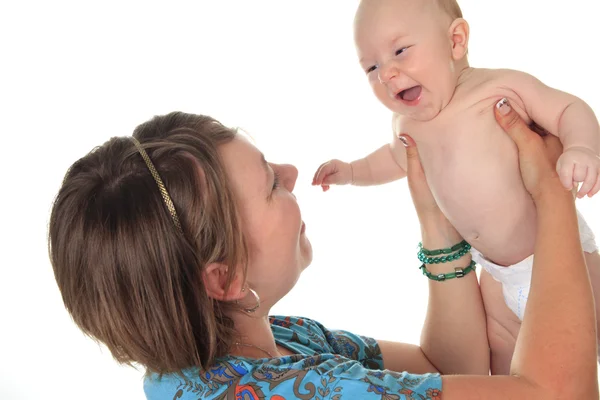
(289, 174)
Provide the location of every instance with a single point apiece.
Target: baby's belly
(503, 231)
(479, 189)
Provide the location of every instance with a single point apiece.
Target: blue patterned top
(328, 365)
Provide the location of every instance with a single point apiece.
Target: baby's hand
(579, 164)
(333, 172)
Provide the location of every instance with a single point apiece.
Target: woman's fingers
(554, 148)
(413, 163)
(537, 155)
(423, 199)
(513, 124)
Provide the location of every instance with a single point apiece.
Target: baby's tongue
(411, 94)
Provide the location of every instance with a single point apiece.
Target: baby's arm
(572, 120)
(379, 167)
(384, 165)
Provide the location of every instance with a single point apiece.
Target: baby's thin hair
(451, 8)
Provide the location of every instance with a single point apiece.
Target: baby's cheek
(384, 98)
(381, 91)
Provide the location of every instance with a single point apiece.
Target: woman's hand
(538, 154)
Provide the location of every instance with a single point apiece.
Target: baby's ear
(459, 38)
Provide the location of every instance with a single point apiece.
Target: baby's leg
(502, 325)
(593, 263)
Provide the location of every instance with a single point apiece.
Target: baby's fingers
(588, 180)
(321, 173)
(596, 187)
(314, 180)
(565, 173)
(579, 172)
(331, 178)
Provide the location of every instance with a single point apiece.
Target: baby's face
(405, 48)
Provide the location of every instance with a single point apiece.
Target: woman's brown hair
(128, 277)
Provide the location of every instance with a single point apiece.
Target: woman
(171, 247)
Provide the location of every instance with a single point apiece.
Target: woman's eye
(275, 180)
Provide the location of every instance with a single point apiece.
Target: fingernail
(503, 106)
(403, 140)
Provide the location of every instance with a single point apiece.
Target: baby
(414, 53)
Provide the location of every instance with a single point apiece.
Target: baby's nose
(388, 72)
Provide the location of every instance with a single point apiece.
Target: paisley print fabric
(328, 364)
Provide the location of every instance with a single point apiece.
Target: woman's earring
(253, 309)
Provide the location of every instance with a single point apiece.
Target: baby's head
(413, 52)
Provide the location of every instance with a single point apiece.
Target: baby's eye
(400, 51)
(371, 69)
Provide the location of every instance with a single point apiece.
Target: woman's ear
(459, 38)
(215, 279)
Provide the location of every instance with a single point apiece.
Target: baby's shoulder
(504, 78)
(484, 87)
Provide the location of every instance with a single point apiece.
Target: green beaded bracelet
(458, 273)
(443, 251)
(444, 259)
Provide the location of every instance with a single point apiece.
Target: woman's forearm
(454, 337)
(559, 323)
(555, 355)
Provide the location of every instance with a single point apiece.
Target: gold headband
(159, 182)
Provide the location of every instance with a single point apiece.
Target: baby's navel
(473, 237)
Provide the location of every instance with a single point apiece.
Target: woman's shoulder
(328, 364)
(296, 325)
(307, 336)
(299, 334)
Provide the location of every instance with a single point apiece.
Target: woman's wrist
(552, 195)
(438, 233)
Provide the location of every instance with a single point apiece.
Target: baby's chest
(465, 148)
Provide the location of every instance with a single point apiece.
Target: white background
(74, 74)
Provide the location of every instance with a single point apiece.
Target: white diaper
(516, 279)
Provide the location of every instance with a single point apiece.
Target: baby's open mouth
(410, 94)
